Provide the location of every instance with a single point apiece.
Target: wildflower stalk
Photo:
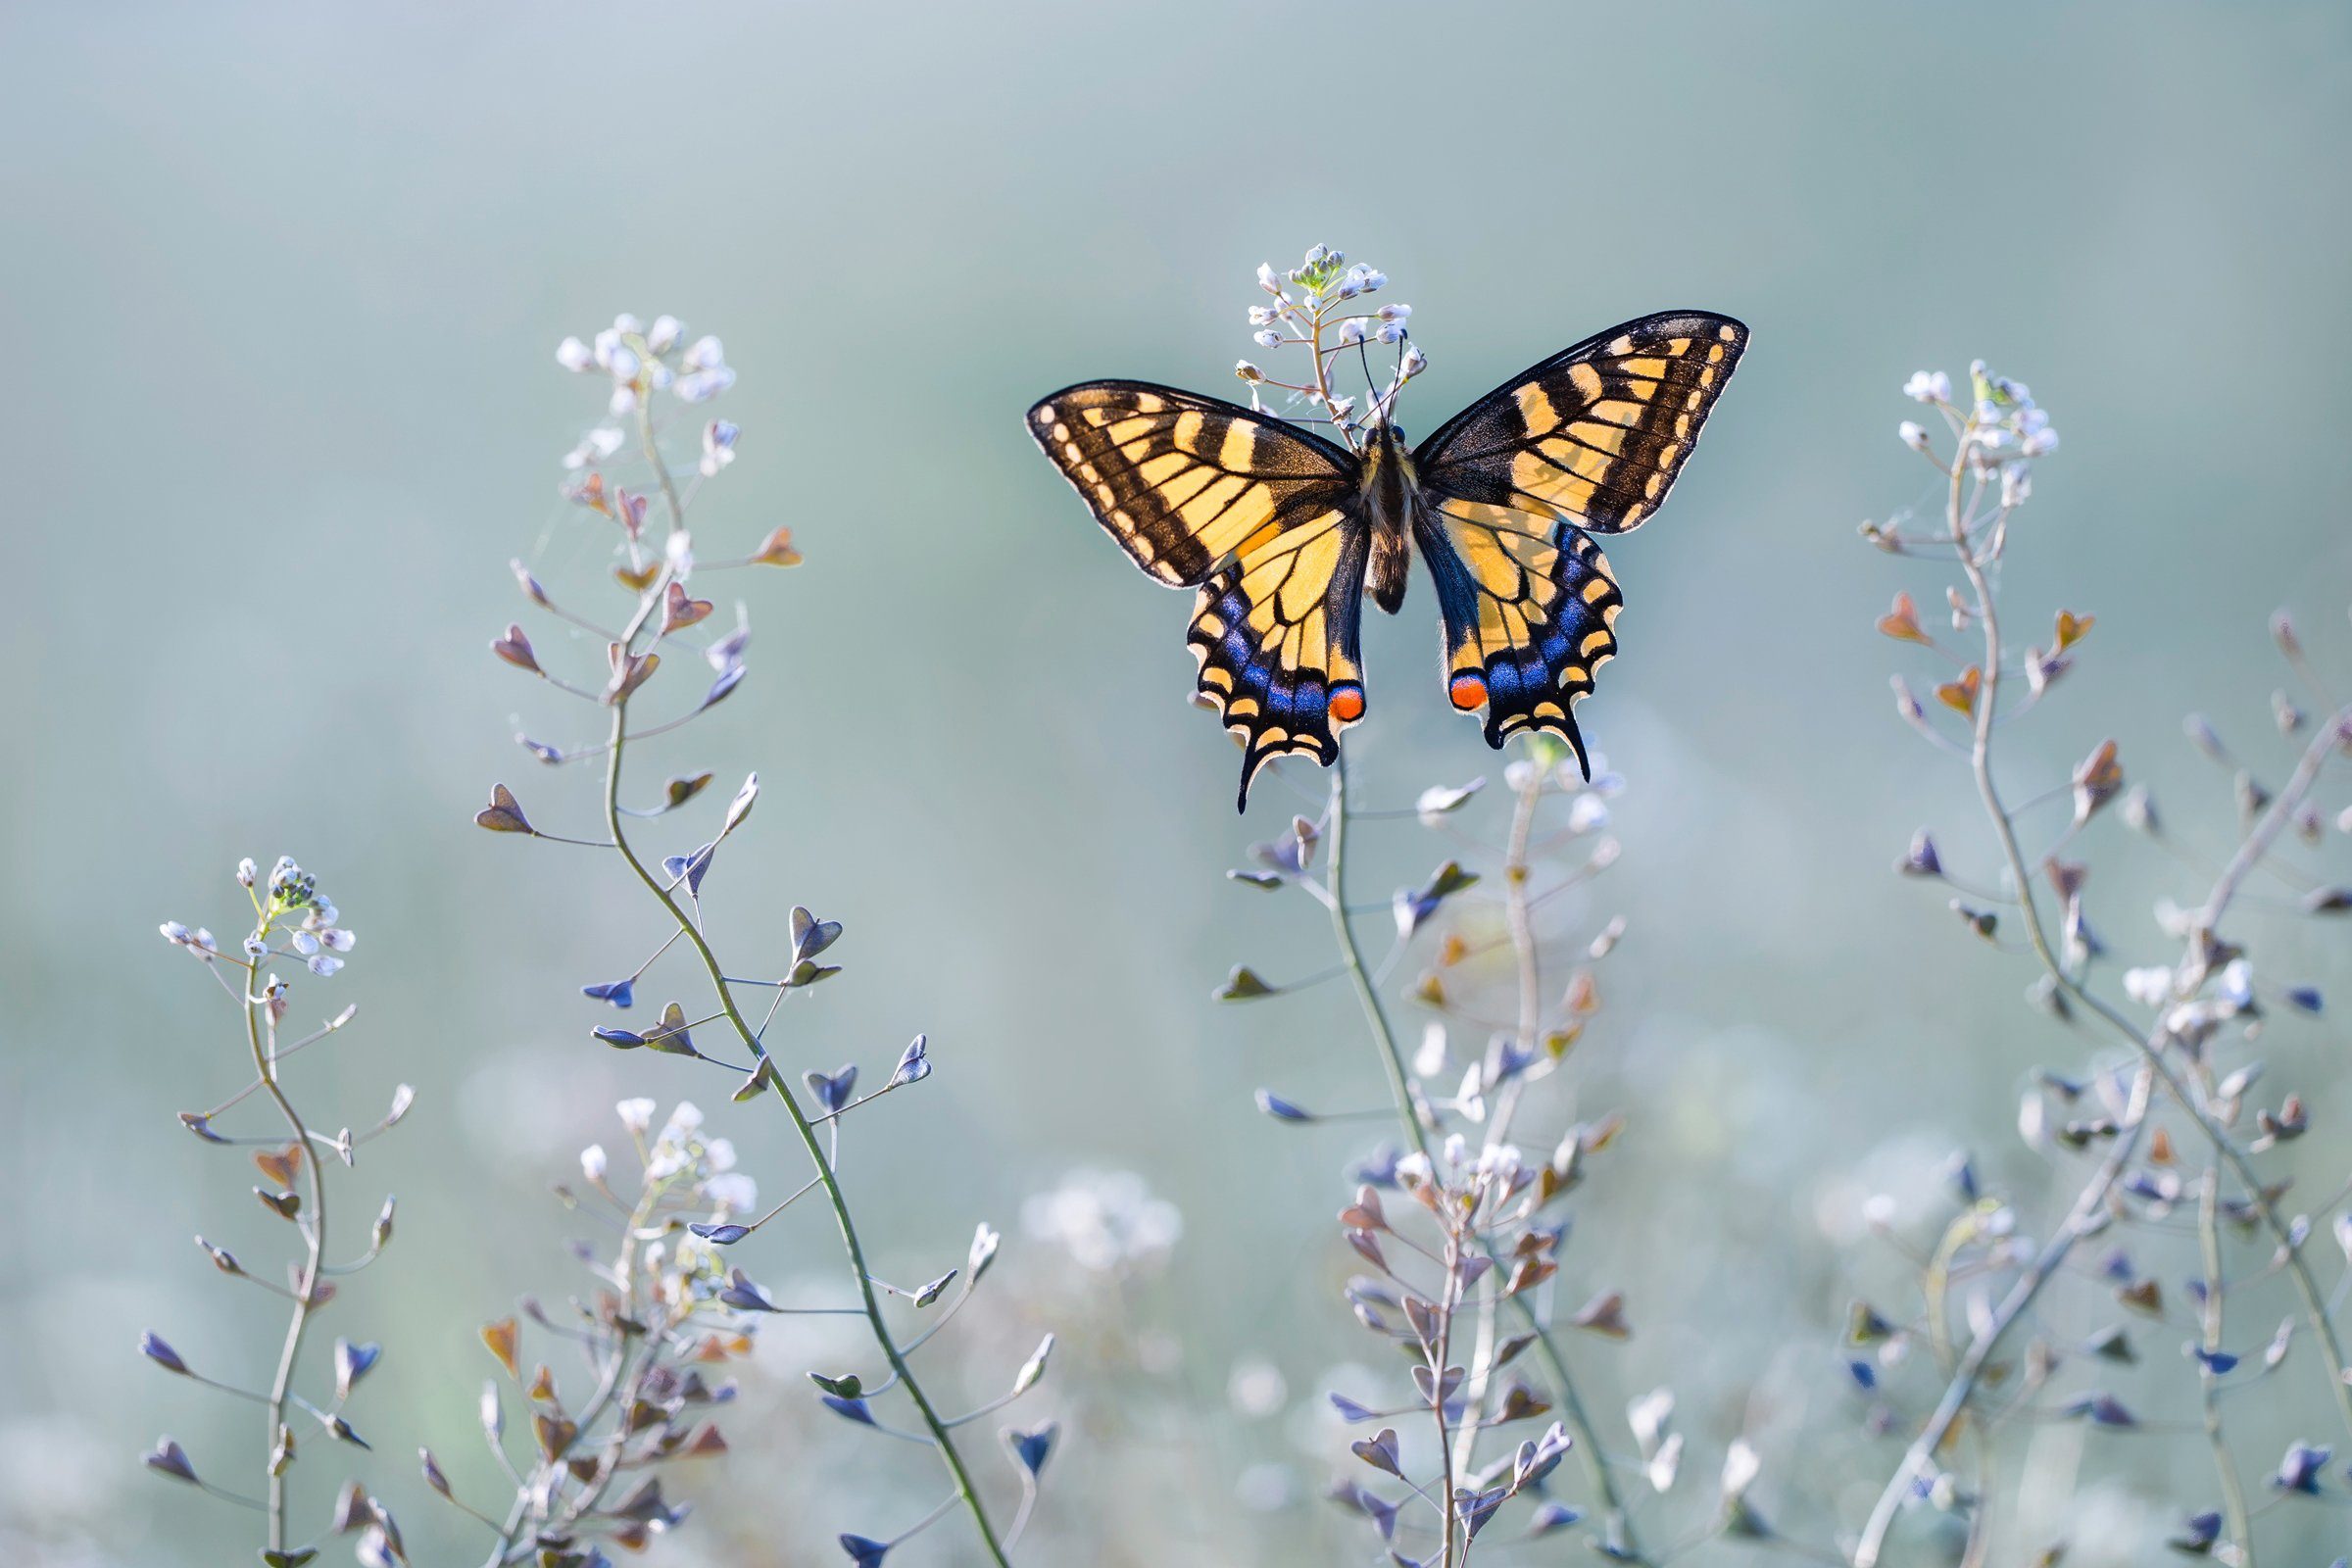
(1975, 540)
(1574, 1416)
(2236, 1521)
(2080, 1220)
(516, 1543)
(262, 1041)
(615, 824)
(2149, 1045)
(289, 909)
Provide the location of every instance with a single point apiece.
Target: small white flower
(1430, 1060)
(574, 355)
(1352, 330)
(734, 1193)
(623, 362)
(607, 343)
(1395, 312)
(1414, 362)
(1929, 386)
(706, 353)
(718, 1154)
(1913, 435)
(701, 386)
(625, 322)
(2149, 986)
(664, 334)
(636, 1115)
(595, 447)
(718, 445)
(325, 964)
(686, 1118)
(1266, 278)
(2017, 484)
(1261, 316)
(1649, 1416)
(1391, 331)
(679, 549)
(2038, 443)
(1742, 1468)
(247, 873)
(1268, 339)
(591, 1162)
(624, 402)
(1586, 812)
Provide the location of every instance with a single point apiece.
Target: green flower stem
(1351, 958)
(265, 1065)
(2150, 1047)
(614, 821)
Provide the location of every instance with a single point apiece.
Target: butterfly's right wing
(1258, 515)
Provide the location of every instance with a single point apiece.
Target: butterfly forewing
(1593, 435)
(1262, 519)
(1182, 481)
(1589, 439)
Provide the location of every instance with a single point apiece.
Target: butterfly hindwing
(1182, 481)
(1589, 439)
(1276, 633)
(1261, 518)
(1528, 611)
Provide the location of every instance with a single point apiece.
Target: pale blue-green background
(281, 289)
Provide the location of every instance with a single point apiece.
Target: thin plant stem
(614, 821)
(2234, 1495)
(2078, 1222)
(1518, 917)
(2149, 1046)
(1572, 1406)
(261, 1038)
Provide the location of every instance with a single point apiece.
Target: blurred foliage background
(284, 284)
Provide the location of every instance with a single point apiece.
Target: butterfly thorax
(1387, 497)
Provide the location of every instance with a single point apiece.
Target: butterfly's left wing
(1589, 439)
(1262, 519)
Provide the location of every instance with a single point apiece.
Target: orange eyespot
(1346, 701)
(1468, 691)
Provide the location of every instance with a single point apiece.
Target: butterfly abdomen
(1388, 490)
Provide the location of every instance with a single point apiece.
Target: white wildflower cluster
(2002, 429)
(1315, 304)
(700, 1169)
(1475, 1184)
(288, 906)
(1107, 1221)
(687, 1176)
(1588, 803)
(642, 359)
(2193, 1014)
